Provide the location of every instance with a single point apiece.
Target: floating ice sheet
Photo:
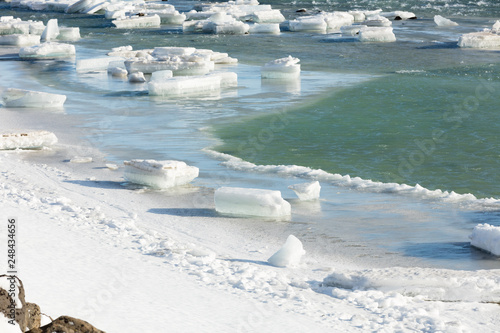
(51, 31)
(47, 50)
(133, 22)
(251, 202)
(69, 34)
(289, 255)
(95, 64)
(20, 98)
(19, 40)
(27, 140)
(480, 40)
(159, 174)
(443, 22)
(185, 86)
(376, 34)
(306, 191)
(487, 238)
(283, 68)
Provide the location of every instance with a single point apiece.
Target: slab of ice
(480, 40)
(376, 34)
(487, 238)
(308, 23)
(137, 77)
(159, 174)
(227, 79)
(133, 22)
(251, 201)
(351, 30)
(161, 75)
(264, 28)
(47, 50)
(358, 15)
(117, 71)
(166, 12)
(306, 191)
(27, 140)
(283, 68)
(79, 6)
(268, 16)
(399, 15)
(289, 255)
(377, 21)
(19, 40)
(172, 50)
(51, 31)
(20, 98)
(337, 20)
(443, 22)
(221, 23)
(177, 65)
(95, 64)
(184, 86)
(69, 34)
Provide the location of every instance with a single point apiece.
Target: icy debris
(376, 34)
(159, 174)
(161, 75)
(251, 201)
(221, 23)
(20, 98)
(51, 31)
(289, 255)
(137, 21)
(227, 79)
(487, 238)
(167, 12)
(47, 50)
(487, 39)
(117, 72)
(69, 34)
(443, 22)
(351, 30)
(306, 191)
(95, 64)
(359, 16)
(399, 15)
(19, 40)
(81, 159)
(112, 166)
(27, 140)
(337, 20)
(283, 68)
(265, 16)
(185, 85)
(79, 6)
(264, 28)
(137, 77)
(308, 23)
(377, 21)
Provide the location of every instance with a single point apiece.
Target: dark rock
(8, 303)
(65, 324)
(34, 315)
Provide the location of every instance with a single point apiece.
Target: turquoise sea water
(417, 111)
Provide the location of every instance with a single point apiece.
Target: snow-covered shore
(128, 259)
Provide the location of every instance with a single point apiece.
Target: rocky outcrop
(27, 315)
(65, 324)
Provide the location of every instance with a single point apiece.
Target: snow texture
(27, 140)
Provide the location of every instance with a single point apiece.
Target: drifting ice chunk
(443, 22)
(118, 72)
(187, 85)
(359, 16)
(95, 64)
(172, 50)
(159, 174)
(48, 50)
(227, 79)
(132, 22)
(221, 23)
(51, 31)
(69, 34)
(268, 16)
(309, 23)
(377, 21)
(284, 68)
(289, 254)
(306, 191)
(399, 15)
(137, 77)
(487, 238)
(376, 34)
(337, 20)
(19, 40)
(19, 98)
(351, 30)
(177, 65)
(481, 40)
(28, 140)
(251, 201)
(161, 75)
(265, 28)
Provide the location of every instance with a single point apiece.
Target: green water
(440, 129)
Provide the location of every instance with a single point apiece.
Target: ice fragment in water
(47, 50)
(69, 34)
(284, 68)
(159, 174)
(376, 34)
(443, 22)
(95, 64)
(51, 31)
(289, 255)
(137, 77)
(19, 98)
(306, 191)
(19, 40)
(185, 85)
(487, 238)
(251, 202)
(133, 22)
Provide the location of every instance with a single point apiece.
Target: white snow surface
(194, 273)
(487, 238)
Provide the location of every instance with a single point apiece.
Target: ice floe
(20, 98)
(251, 202)
(487, 238)
(27, 140)
(487, 39)
(96, 64)
(159, 174)
(47, 50)
(444, 22)
(376, 34)
(51, 31)
(284, 68)
(307, 191)
(137, 21)
(289, 254)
